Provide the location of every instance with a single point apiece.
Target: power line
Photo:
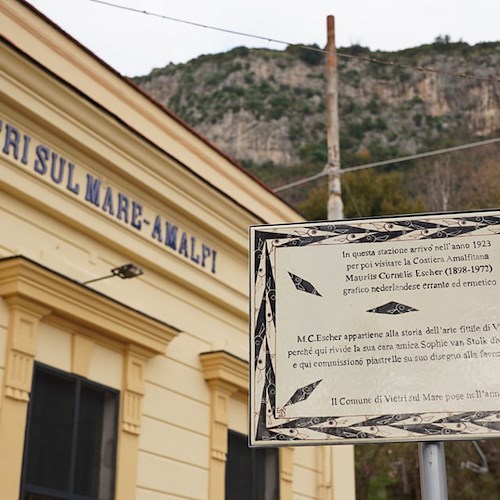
(388, 162)
(191, 23)
(423, 69)
(340, 54)
(373, 60)
(301, 181)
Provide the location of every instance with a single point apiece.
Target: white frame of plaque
(461, 263)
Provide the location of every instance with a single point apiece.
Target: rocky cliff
(268, 106)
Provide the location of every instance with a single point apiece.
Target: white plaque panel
(375, 329)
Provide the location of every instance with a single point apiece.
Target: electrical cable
(421, 155)
(388, 162)
(340, 54)
(192, 23)
(373, 60)
(300, 181)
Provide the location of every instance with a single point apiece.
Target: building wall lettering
(90, 189)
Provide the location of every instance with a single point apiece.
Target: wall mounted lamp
(126, 271)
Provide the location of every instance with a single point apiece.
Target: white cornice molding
(223, 369)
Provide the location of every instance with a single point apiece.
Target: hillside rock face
(262, 106)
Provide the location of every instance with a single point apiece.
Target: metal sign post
(432, 471)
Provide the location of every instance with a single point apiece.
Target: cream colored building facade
(95, 175)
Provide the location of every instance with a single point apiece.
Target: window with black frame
(251, 473)
(70, 446)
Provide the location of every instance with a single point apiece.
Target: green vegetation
(385, 111)
(365, 193)
(310, 54)
(391, 471)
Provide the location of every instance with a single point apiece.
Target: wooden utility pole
(332, 168)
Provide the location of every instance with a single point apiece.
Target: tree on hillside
(365, 193)
(460, 181)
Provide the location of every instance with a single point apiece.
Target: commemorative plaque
(371, 330)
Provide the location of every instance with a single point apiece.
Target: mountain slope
(267, 109)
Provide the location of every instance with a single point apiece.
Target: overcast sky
(134, 43)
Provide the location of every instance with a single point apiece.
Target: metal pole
(335, 205)
(432, 471)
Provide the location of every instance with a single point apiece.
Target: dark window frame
(264, 465)
(26, 489)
